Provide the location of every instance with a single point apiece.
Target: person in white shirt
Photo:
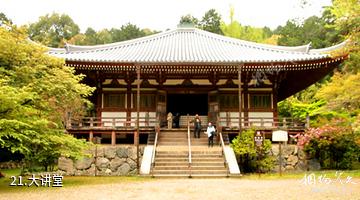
(210, 131)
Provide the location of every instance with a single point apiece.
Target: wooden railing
(226, 122)
(262, 122)
(110, 122)
(189, 144)
(157, 131)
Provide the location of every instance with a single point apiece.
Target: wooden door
(213, 111)
(161, 107)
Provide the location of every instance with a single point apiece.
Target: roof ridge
(296, 49)
(87, 48)
(84, 48)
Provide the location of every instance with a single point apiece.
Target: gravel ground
(205, 189)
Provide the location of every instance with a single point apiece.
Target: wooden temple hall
(190, 71)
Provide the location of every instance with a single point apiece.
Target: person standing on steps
(197, 126)
(210, 131)
(169, 120)
(176, 120)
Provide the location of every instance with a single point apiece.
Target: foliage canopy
(37, 92)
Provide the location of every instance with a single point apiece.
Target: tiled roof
(189, 45)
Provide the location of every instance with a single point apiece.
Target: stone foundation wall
(104, 161)
(11, 164)
(293, 159)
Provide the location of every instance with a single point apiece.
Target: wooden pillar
(136, 141)
(128, 102)
(246, 99)
(274, 103)
(129, 80)
(113, 138)
(137, 118)
(240, 96)
(99, 94)
(91, 136)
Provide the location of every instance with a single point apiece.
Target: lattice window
(260, 101)
(114, 100)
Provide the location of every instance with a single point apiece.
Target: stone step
(172, 139)
(196, 159)
(192, 164)
(194, 168)
(180, 134)
(208, 155)
(172, 143)
(193, 152)
(190, 176)
(222, 171)
(171, 159)
(186, 148)
(171, 155)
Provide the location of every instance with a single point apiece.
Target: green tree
(37, 93)
(211, 22)
(314, 29)
(53, 30)
(189, 20)
(4, 19)
(236, 30)
(79, 39)
(90, 37)
(103, 37)
(126, 32)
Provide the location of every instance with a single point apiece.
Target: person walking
(197, 126)
(210, 131)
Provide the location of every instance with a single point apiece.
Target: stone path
(208, 189)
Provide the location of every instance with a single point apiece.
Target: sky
(160, 14)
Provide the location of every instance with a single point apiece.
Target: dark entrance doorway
(187, 104)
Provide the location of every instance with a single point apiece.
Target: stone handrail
(189, 144)
(223, 151)
(154, 150)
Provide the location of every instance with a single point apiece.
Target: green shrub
(335, 147)
(251, 158)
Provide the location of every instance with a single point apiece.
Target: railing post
(262, 122)
(113, 122)
(293, 123)
(284, 123)
(68, 120)
(228, 119)
(147, 119)
(91, 136)
(91, 122)
(307, 125)
(113, 138)
(68, 123)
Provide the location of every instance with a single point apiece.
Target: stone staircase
(172, 160)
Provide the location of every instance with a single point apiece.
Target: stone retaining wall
(293, 159)
(104, 161)
(11, 164)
